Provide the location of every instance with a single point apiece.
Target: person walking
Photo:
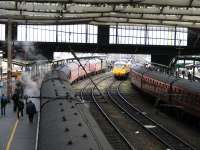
(15, 99)
(3, 105)
(20, 108)
(30, 110)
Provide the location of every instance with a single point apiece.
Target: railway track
(84, 90)
(162, 134)
(111, 131)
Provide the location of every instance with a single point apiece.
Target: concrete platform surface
(17, 134)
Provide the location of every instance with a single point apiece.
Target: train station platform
(17, 134)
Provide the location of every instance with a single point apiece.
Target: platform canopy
(162, 12)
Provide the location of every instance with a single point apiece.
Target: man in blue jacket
(3, 105)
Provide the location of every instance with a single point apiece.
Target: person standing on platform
(15, 99)
(20, 108)
(3, 105)
(189, 76)
(177, 74)
(30, 110)
(183, 73)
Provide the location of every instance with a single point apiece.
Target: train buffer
(17, 134)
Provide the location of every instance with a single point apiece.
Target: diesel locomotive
(120, 70)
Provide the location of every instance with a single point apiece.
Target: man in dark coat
(20, 109)
(19, 89)
(30, 110)
(15, 99)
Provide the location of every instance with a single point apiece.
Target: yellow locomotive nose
(119, 72)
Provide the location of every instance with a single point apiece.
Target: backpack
(21, 105)
(3, 100)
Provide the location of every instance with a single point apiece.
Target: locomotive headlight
(114, 71)
(123, 71)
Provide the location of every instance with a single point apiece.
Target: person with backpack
(3, 105)
(30, 110)
(20, 109)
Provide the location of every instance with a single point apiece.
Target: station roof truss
(21, 63)
(27, 63)
(188, 57)
(184, 13)
(184, 57)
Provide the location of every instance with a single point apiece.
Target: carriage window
(188, 97)
(197, 99)
(193, 98)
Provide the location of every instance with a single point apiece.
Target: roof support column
(103, 35)
(175, 38)
(9, 59)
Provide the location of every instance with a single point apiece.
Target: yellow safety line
(12, 135)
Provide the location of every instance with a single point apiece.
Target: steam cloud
(32, 87)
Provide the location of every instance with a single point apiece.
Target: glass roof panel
(172, 12)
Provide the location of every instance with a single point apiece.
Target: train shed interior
(159, 41)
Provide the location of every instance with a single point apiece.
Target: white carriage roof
(162, 12)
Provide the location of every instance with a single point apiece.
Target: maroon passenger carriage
(173, 91)
(92, 66)
(74, 71)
